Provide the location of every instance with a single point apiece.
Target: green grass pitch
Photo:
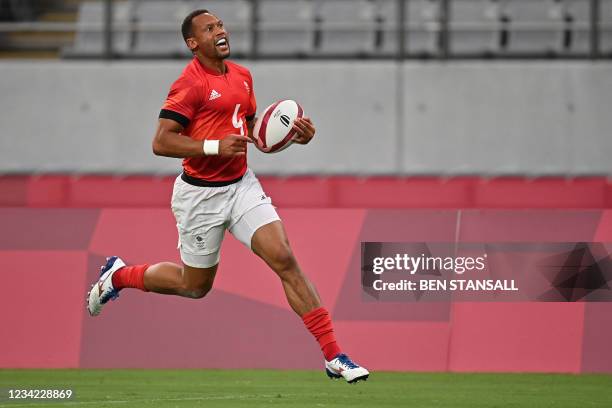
(273, 388)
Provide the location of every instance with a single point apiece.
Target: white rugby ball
(273, 130)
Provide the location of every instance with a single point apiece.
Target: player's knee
(283, 259)
(197, 292)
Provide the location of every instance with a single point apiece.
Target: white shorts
(204, 213)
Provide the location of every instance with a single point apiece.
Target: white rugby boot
(102, 291)
(343, 366)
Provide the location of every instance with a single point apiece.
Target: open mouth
(222, 44)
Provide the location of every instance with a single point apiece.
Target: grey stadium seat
(422, 27)
(580, 11)
(89, 38)
(347, 28)
(286, 27)
(475, 26)
(387, 27)
(536, 26)
(606, 27)
(159, 25)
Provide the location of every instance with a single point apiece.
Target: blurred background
(437, 120)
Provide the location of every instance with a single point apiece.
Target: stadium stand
(536, 26)
(286, 28)
(388, 23)
(158, 33)
(606, 27)
(422, 21)
(476, 27)
(89, 38)
(315, 28)
(36, 29)
(321, 29)
(347, 27)
(577, 35)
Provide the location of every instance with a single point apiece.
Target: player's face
(210, 36)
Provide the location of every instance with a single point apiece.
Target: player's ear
(192, 44)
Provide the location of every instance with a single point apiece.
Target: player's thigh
(199, 277)
(271, 244)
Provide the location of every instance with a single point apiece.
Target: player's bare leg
(172, 279)
(270, 243)
(166, 278)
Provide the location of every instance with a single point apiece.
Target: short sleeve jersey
(211, 106)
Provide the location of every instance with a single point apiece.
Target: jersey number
(238, 123)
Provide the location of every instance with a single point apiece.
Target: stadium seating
(353, 28)
(89, 39)
(536, 26)
(577, 19)
(286, 27)
(387, 20)
(158, 28)
(475, 26)
(606, 27)
(347, 27)
(423, 27)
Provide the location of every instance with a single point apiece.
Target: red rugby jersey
(211, 106)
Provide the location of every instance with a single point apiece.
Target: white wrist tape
(211, 147)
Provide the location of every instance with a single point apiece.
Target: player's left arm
(304, 130)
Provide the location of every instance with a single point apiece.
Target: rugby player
(207, 120)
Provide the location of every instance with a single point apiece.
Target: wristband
(211, 147)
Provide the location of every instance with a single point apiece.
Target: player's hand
(233, 145)
(304, 130)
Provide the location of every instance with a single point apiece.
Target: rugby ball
(273, 130)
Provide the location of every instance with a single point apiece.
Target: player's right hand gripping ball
(273, 130)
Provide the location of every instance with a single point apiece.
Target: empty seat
(474, 27)
(387, 18)
(159, 28)
(578, 26)
(347, 27)
(536, 26)
(90, 38)
(286, 27)
(423, 27)
(606, 27)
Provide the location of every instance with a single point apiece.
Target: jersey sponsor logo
(214, 95)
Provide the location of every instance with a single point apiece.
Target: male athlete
(207, 120)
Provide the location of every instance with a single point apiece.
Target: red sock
(320, 325)
(130, 277)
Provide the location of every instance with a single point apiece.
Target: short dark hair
(186, 27)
